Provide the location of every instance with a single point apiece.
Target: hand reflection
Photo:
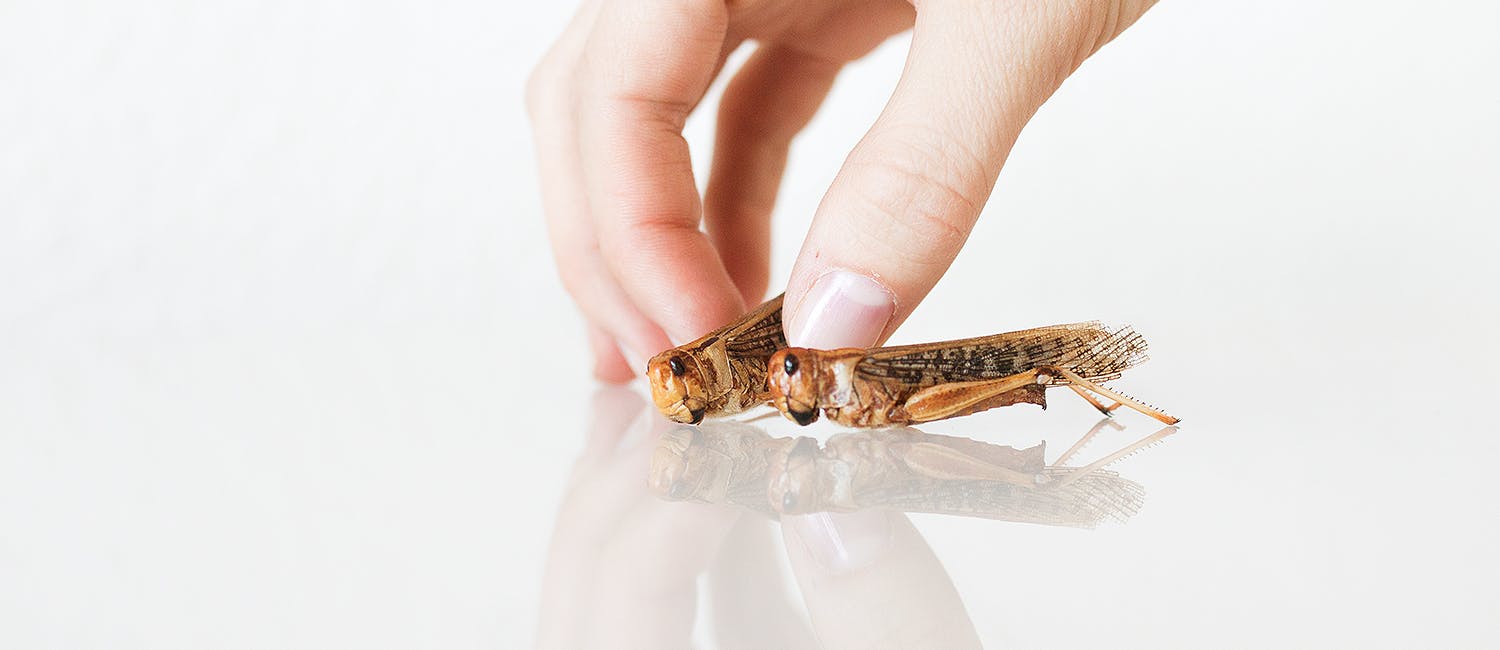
(624, 565)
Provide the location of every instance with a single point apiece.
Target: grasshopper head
(677, 386)
(792, 377)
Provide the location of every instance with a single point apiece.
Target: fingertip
(841, 309)
(698, 315)
(671, 274)
(752, 279)
(610, 365)
(617, 376)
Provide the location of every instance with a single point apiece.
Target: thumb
(909, 193)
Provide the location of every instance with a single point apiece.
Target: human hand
(609, 100)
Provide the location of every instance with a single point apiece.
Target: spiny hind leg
(1079, 382)
(1108, 411)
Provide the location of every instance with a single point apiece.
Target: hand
(609, 100)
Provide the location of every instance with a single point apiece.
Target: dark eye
(789, 364)
(675, 364)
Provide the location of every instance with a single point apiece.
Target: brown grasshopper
(920, 383)
(720, 374)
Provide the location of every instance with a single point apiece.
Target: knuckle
(637, 235)
(1115, 16)
(647, 240)
(1085, 26)
(917, 201)
(639, 225)
(1091, 24)
(646, 110)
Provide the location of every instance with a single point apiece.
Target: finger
(550, 99)
(871, 581)
(589, 281)
(609, 365)
(648, 62)
(908, 195)
(771, 98)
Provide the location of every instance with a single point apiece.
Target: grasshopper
(933, 381)
(720, 374)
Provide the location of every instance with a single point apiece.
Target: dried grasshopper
(895, 469)
(920, 383)
(720, 374)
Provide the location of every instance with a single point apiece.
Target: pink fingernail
(842, 542)
(842, 310)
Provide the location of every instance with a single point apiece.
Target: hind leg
(1079, 383)
(966, 397)
(1108, 411)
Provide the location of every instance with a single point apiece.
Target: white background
(284, 363)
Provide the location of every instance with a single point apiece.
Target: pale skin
(650, 261)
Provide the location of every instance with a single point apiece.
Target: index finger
(647, 64)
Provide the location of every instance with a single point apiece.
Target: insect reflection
(903, 469)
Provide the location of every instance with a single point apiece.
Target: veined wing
(758, 333)
(1091, 349)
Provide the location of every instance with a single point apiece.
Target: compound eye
(675, 363)
(789, 364)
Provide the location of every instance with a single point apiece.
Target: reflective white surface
(283, 362)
